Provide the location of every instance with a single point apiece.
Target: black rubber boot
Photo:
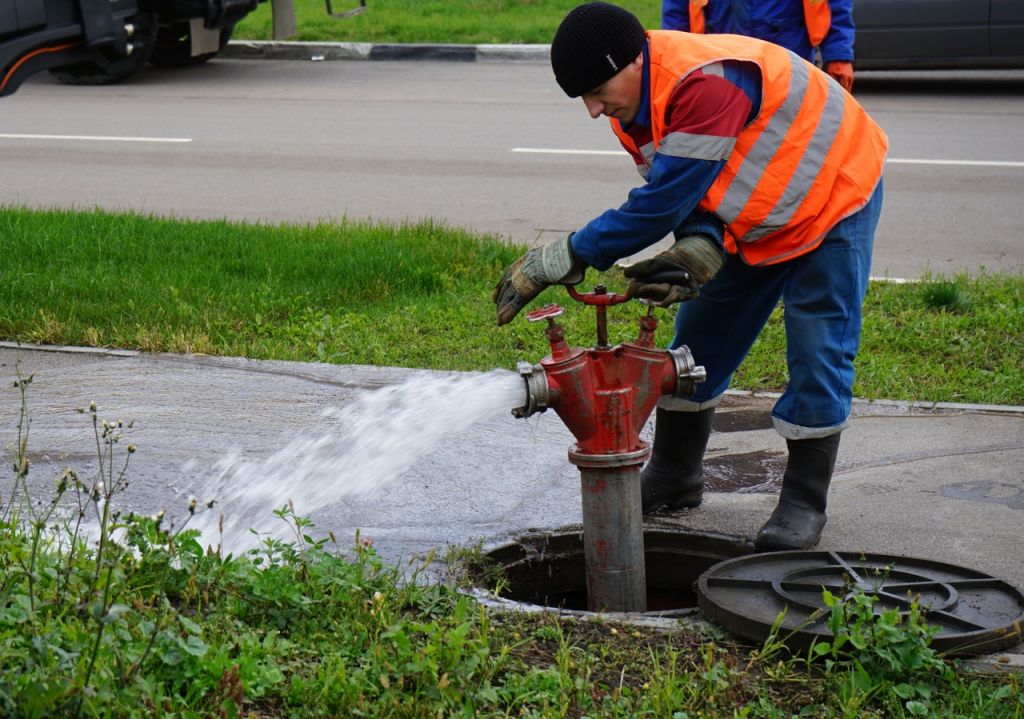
(674, 476)
(799, 516)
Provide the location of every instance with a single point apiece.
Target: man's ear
(639, 62)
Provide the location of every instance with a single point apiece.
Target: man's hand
(539, 268)
(842, 72)
(678, 273)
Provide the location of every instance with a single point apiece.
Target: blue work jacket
(777, 21)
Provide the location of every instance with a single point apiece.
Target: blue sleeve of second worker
(675, 15)
(838, 43)
(674, 187)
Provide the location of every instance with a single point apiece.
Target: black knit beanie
(594, 43)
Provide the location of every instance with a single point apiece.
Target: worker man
(798, 25)
(769, 176)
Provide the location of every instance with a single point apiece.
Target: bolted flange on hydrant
(604, 395)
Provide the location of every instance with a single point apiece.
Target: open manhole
(549, 570)
(974, 612)
(720, 577)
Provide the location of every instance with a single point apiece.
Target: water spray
(604, 395)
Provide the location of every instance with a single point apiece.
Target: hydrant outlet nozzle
(536, 390)
(688, 373)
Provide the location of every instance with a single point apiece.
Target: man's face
(620, 96)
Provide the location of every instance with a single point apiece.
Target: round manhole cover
(974, 612)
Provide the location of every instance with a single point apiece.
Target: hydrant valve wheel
(546, 312)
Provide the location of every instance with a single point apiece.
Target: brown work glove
(842, 72)
(678, 273)
(527, 277)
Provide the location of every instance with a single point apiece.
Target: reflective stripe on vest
(751, 174)
(818, 18)
(685, 144)
(811, 157)
(697, 15)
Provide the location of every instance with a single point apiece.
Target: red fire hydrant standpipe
(604, 395)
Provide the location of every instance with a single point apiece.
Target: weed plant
(884, 655)
(419, 296)
(106, 614)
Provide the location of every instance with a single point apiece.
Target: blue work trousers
(822, 294)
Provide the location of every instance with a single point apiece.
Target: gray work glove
(539, 268)
(678, 273)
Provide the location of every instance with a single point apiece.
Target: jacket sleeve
(653, 210)
(675, 15)
(838, 43)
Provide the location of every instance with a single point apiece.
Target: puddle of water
(986, 492)
(745, 473)
(368, 443)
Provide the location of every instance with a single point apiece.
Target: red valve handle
(599, 298)
(544, 313)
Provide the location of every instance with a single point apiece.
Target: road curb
(323, 51)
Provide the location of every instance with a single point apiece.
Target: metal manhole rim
(528, 541)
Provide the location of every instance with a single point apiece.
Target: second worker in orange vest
(802, 26)
(769, 175)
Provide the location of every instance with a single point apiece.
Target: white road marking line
(964, 163)
(895, 280)
(891, 160)
(93, 138)
(544, 151)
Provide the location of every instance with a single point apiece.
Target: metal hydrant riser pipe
(613, 539)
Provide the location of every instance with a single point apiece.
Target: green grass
(917, 349)
(431, 21)
(147, 622)
(419, 296)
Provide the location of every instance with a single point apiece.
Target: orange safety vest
(817, 17)
(811, 157)
(696, 9)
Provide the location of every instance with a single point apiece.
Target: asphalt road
(297, 141)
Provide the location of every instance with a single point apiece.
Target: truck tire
(174, 46)
(92, 73)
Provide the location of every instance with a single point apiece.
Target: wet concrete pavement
(943, 483)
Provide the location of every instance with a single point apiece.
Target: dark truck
(98, 42)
